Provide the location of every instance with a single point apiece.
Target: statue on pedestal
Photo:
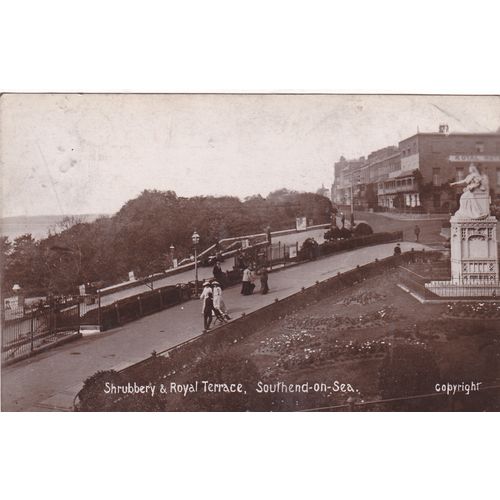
(475, 200)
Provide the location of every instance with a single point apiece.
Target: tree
(138, 237)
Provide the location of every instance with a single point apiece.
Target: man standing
(204, 294)
(208, 310)
(219, 274)
(264, 288)
(417, 232)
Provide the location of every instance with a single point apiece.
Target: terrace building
(344, 179)
(415, 175)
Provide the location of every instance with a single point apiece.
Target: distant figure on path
(246, 283)
(219, 274)
(264, 287)
(342, 219)
(397, 249)
(239, 261)
(417, 232)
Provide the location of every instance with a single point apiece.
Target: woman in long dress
(219, 304)
(474, 202)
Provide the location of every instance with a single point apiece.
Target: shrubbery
(362, 229)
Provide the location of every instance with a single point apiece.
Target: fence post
(140, 305)
(99, 308)
(161, 299)
(79, 317)
(51, 311)
(117, 313)
(31, 331)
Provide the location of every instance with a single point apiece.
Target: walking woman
(246, 285)
(218, 302)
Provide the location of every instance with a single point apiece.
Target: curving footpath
(49, 381)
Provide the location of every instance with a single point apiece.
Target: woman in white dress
(218, 302)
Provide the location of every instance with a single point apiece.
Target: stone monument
(473, 239)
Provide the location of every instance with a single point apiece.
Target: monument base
(453, 289)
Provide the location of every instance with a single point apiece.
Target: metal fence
(134, 307)
(26, 331)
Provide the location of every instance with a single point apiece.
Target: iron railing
(26, 331)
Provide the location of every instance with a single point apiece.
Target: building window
(479, 147)
(460, 173)
(436, 181)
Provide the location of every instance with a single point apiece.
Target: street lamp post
(172, 249)
(352, 203)
(196, 239)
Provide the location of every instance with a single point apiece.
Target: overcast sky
(75, 154)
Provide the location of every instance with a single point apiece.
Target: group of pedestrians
(213, 305)
(249, 278)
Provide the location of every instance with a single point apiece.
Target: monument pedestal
(474, 260)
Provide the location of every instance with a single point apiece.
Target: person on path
(417, 232)
(239, 261)
(397, 249)
(246, 282)
(219, 274)
(342, 219)
(218, 302)
(264, 287)
(204, 294)
(208, 311)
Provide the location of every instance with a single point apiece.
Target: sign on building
(475, 158)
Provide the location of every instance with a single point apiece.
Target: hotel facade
(415, 175)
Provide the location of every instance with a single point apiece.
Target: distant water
(38, 225)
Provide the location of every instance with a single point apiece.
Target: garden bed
(366, 342)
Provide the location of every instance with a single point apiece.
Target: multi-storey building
(416, 174)
(345, 180)
(441, 158)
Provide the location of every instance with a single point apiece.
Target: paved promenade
(50, 380)
(206, 272)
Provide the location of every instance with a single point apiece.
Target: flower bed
(474, 310)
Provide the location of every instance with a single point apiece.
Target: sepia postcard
(249, 252)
